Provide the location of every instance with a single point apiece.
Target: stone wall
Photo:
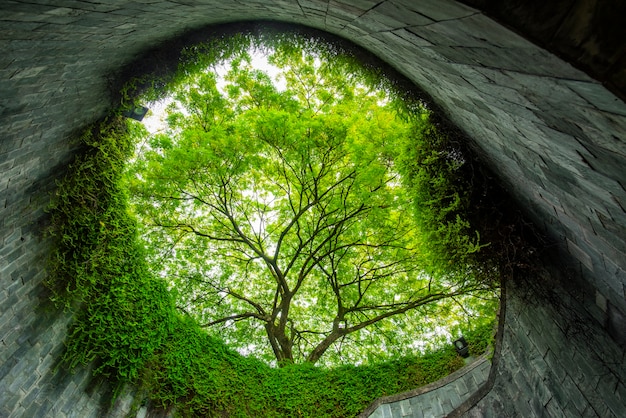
(553, 360)
(554, 135)
(587, 33)
(436, 400)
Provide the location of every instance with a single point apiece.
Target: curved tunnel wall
(554, 135)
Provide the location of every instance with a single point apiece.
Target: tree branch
(236, 317)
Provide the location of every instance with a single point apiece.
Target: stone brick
(571, 395)
(451, 393)
(620, 392)
(587, 370)
(554, 409)
(594, 399)
(543, 387)
(461, 387)
(383, 411)
(592, 92)
(607, 392)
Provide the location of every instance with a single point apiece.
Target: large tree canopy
(279, 215)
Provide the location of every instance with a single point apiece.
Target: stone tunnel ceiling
(553, 134)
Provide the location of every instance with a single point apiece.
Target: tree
(279, 215)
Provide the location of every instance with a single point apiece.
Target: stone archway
(554, 134)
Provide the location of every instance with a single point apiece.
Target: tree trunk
(321, 348)
(281, 345)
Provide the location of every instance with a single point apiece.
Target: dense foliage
(279, 217)
(125, 319)
(123, 313)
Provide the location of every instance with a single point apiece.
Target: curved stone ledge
(437, 399)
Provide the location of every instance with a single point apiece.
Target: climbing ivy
(96, 267)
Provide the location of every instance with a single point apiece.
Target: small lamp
(461, 347)
(137, 113)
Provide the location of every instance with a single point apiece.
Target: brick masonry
(555, 136)
(436, 400)
(553, 361)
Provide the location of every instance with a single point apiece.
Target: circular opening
(300, 209)
(126, 319)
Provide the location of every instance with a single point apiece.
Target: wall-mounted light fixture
(137, 113)
(461, 347)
